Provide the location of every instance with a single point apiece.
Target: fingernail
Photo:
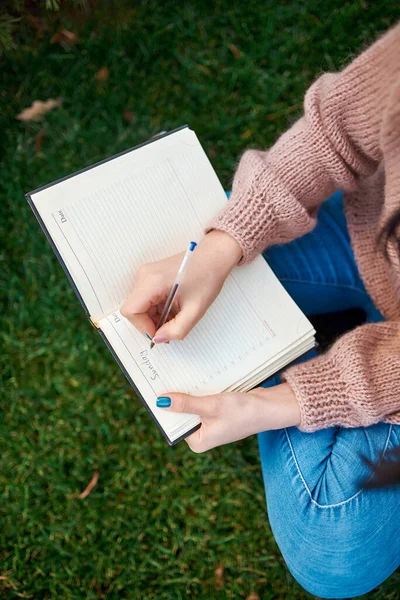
(148, 336)
(160, 339)
(163, 402)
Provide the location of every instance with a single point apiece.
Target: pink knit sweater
(348, 139)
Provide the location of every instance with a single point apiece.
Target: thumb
(178, 327)
(204, 406)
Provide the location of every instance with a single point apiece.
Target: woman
(338, 540)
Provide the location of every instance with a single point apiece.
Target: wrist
(278, 407)
(222, 249)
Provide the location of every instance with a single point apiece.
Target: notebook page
(233, 339)
(283, 358)
(133, 352)
(252, 321)
(274, 367)
(139, 207)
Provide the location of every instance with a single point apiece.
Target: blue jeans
(337, 541)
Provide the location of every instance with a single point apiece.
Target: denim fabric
(337, 541)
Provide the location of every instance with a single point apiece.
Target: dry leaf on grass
(219, 577)
(38, 140)
(283, 112)
(203, 68)
(253, 596)
(65, 37)
(88, 488)
(235, 51)
(38, 109)
(248, 133)
(129, 116)
(103, 74)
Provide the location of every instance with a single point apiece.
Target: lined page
(235, 337)
(140, 207)
(235, 341)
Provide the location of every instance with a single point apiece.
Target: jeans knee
(332, 553)
(331, 584)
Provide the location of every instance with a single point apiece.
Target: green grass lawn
(160, 521)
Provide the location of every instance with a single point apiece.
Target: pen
(178, 281)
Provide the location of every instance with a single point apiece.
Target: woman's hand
(229, 417)
(212, 261)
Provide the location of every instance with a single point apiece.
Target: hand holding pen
(214, 258)
(181, 272)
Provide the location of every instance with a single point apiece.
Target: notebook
(143, 205)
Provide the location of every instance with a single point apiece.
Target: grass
(160, 521)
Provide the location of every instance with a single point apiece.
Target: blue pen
(178, 281)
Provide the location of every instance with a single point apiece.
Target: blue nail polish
(163, 402)
(148, 336)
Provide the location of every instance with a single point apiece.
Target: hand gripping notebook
(143, 205)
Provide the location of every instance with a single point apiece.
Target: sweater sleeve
(354, 384)
(276, 194)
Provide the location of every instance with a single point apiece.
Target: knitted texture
(348, 139)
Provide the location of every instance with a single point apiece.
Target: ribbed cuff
(322, 395)
(261, 212)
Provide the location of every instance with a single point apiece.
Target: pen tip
(152, 344)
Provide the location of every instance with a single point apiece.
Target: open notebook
(144, 205)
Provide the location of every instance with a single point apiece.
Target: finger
(180, 325)
(196, 441)
(139, 308)
(142, 323)
(204, 406)
(153, 312)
